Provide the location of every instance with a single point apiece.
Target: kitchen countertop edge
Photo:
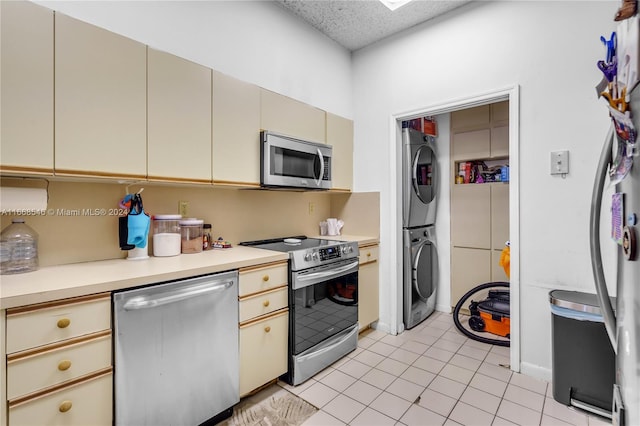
(80, 279)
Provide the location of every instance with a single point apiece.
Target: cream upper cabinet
(471, 145)
(100, 101)
(290, 117)
(179, 119)
(236, 131)
(340, 137)
(26, 133)
(471, 117)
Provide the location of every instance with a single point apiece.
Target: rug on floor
(273, 406)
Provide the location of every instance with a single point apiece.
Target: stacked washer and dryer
(419, 196)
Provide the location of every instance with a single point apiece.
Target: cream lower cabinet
(264, 324)
(26, 111)
(59, 362)
(368, 286)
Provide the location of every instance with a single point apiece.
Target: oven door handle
(321, 174)
(304, 280)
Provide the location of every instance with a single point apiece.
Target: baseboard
(444, 308)
(536, 371)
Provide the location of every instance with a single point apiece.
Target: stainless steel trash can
(583, 361)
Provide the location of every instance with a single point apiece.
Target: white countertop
(78, 279)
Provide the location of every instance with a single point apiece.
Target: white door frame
(510, 93)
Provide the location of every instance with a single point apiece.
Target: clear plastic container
(191, 230)
(166, 235)
(18, 248)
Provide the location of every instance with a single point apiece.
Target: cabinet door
(471, 145)
(179, 119)
(500, 112)
(26, 134)
(368, 291)
(87, 403)
(500, 141)
(236, 131)
(497, 271)
(290, 117)
(100, 102)
(499, 215)
(471, 216)
(263, 351)
(469, 268)
(340, 137)
(471, 117)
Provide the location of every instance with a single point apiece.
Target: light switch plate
(559, 162)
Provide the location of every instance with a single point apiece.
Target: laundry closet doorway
(462, 264)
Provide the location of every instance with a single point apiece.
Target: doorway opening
(448, 252)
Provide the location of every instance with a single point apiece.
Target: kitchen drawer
(368, 254)
(61, 363)
(36, 325)
(263, 277)
(263, 351)
(88, 402)
(263, 303)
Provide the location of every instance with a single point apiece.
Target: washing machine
(420, 274)
(419, 179)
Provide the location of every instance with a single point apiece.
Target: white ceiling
(357, 23)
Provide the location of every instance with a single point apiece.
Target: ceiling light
(394, 4)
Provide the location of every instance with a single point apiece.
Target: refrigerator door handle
(594, 239)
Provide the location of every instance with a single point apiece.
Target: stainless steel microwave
(294, 163)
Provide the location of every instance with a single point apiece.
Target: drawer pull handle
(65, 406)
(369, 254)
(265, 278)
(265, 303)
(64, 365)
(267, 329)
(64, 322)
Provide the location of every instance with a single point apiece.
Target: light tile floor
(432, 375)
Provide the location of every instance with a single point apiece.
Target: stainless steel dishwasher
(176, 351)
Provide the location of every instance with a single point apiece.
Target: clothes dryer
(420, 274)
(419, 179)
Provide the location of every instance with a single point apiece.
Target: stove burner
(308, 252)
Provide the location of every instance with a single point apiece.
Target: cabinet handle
(265, 278)
(64, 322)
(64, 365)
(265, 303)
(267, 329)
(65, 406)
(369, 254)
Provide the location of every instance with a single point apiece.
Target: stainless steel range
(323, 302)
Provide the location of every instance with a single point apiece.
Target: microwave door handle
(319, 180)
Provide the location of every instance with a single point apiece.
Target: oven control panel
(330, 253)
(323, 255)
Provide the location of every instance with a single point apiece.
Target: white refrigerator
(619, 165)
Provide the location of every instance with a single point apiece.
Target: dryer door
(424, 274)
(424, 174)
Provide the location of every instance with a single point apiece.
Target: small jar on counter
(206, 236)
(191, 231)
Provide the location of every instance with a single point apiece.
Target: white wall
(255, 41)
(550, 50)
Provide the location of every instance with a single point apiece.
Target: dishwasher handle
(152, 301)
